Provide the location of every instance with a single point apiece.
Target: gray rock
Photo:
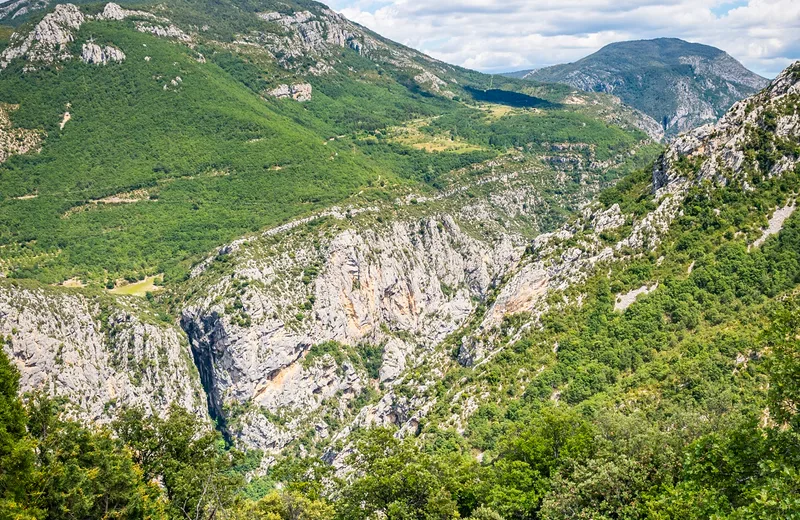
(405, 286)
(94, 54)
(113, 11)
(100, 354)
(47, 42)
(298, 91)
(163, 31)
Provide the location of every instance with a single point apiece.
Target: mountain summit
(679, 84)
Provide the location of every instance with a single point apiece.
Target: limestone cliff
(48, 42)
(99, 352)
(395, 288)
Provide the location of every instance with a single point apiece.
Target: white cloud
(497, 35)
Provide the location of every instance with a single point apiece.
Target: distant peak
(680, 84)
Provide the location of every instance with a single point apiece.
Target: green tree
(84, 473)
(397, 480)
(286, 505)
(16, 447)
(784, 365)
(529, 458)
(187, 457)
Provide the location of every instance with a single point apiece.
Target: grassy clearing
(411, 135)
(73, 282)
(140, 288)
(495, 111)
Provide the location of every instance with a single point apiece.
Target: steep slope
(682, 262)
(680, 85)
(101, 353)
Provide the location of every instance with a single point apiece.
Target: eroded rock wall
(101, 353)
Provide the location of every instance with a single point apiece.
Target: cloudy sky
(504, 35)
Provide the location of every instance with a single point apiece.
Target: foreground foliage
(560, 465)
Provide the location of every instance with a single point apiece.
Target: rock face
(100, 354)
(298, 92)
(679, 84)
(427, 78)
(94, 54)
(163, 31)
(567, 257)
(47, 42)
(113, 11)
(309, 43)
(14, 8)
(315, 34)
(403, 288)
(722, 149)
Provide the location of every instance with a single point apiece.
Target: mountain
(681, 85)
(138, 141)
(356, 292)
(608, 368)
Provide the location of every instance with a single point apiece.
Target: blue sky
(496, 36)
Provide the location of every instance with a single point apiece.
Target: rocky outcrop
(298, 91)
(14, 8)
(101, 354)
(48, 41)
(434, 83)
(314, 33)
(775, 223)
(113, 11)
(721, 152)
(607, 220)
(95, 55)
(163, 31)
(310, 42)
